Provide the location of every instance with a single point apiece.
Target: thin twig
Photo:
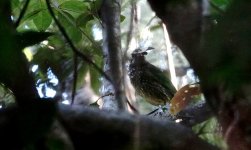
(132, 107)
(74, 49)
(131, 27)
(150, 21)
(22, 13)
(108, 94)
(152, 111)
(75, 77)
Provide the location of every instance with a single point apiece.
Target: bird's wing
(161, 78)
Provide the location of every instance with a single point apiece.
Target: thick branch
(88, 126)
(194, 115)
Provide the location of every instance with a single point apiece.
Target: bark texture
(108, 130)
(110, 16)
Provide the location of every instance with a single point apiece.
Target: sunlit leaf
(31, 15)
(73, 7)
(42, 19)
(222, 4)
(209, 131)
(81, 74)
(95, 76)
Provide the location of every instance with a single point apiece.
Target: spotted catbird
(149, 81)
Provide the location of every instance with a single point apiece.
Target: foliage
(78, 18)
(210, 131)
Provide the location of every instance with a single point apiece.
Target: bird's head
(139, 53)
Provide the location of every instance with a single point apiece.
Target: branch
(88, 126)
(194, 115)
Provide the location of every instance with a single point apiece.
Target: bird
(149, 81)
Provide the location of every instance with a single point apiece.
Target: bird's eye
(144, 53)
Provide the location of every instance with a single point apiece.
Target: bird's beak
(149, 48)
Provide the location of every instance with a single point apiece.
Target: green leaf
(221, 4)
(83, 19)
(155, 27)
(27, 24)
(207, 130)
(122, 18)
(98, 4)
(15, 6)
(32, 14)
(68, 23)
(95, 82)
(95, 6)
(95, 75)
(73, 6)
(81, 75)
(43, 19)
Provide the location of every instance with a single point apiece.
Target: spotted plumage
(149, 81)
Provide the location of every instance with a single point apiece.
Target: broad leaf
(95, 77)
(43, 19)
(73, 7)
(68, 22)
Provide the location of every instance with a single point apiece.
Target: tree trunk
(110, 16)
